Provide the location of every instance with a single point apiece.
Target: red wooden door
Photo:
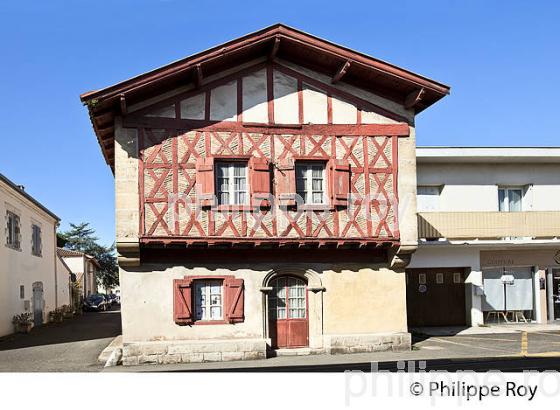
(288, 313)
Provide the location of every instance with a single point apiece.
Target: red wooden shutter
(340, 181)
(234, 300)
(286, 182)
(205, 181)
(182, 301)
(259, 170)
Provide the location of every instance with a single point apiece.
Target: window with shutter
(311, 182)
(205, 181)
(286, 182)
(182, 301)
(340, 169)
(13, 236)
(259, 169)
(36, 245)
(231, 182)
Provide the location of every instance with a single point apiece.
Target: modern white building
(28, 272)
(489, 229)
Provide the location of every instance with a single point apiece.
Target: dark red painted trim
(401, 130)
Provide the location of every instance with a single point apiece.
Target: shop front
(520, 286)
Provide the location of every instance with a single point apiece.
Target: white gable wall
(223, 101)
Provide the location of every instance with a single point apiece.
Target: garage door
(435, 297)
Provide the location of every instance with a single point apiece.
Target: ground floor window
(508, 294)
(208, 299)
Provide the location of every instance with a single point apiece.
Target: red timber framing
(174, 152)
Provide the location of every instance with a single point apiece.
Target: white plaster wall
(63, 283)
(147, 302)
(193, 107)
(286, 102)
(223, 101)
(436, 256)
(314, 106)
(474, 187)
(75, 263)
(20, 267)
(255, 108)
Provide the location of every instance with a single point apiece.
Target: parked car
(114, 299)
(97, 303)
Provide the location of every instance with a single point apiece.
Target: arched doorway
(288, 312)
(38, 303)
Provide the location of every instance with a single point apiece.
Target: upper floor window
(509, 199)
(231, 183)
(310, 182)
(36, 240)
(208, 299)
(428, 198)
(13, 237)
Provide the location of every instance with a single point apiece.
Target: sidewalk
(488, 329)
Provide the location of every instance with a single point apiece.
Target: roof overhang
(278, 41)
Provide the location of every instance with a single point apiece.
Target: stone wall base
(198, 351)
(364, 343)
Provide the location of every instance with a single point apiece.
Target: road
(71, 346)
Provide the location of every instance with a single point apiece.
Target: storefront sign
(535, 257)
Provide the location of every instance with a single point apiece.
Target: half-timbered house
(265, 199)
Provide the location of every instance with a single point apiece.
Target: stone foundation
(251, 349)
(193, 351)
(366, 343)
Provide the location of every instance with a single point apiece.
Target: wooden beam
(198, 78)
(122, 98)
(414, 98)
(341, 71)
(275, 47)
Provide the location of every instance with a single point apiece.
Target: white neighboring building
(489, 229)
(84, 267)
(64, 275)
(28, 279)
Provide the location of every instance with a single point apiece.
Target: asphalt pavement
(70, 346)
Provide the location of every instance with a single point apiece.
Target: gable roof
(343, 64)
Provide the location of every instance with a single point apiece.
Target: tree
(81, 237)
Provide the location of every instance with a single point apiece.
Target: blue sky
(500, 58)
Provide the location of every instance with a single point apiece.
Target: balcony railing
(488, 225)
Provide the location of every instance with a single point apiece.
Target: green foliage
(81, 237)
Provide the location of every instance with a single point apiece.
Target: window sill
(13, 248)
(210, 322)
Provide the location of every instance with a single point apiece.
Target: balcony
(488, 225)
